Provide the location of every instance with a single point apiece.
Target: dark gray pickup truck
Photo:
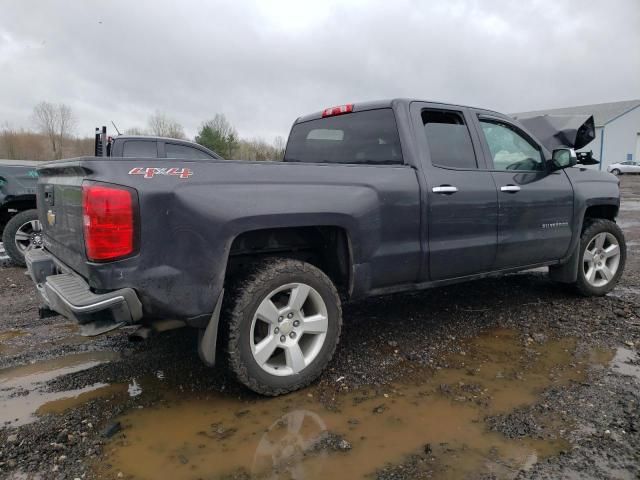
(371, 198)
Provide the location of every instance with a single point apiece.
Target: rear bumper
(65, 292)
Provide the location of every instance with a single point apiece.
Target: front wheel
(282, 326)
(603, 253)
(616, 172)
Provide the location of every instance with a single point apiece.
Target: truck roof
(22, 163)
(154, 138)
(388, 103)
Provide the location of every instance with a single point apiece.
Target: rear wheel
(22, 233)
(616, 172)
(603, 254)
(282, 326)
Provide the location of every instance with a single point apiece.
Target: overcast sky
(263, 64)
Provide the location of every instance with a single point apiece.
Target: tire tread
(243, 291)
(591, 227)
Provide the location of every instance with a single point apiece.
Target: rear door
(535, 206)
(461, 201)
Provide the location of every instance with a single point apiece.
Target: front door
(461, 204)
(535, 206)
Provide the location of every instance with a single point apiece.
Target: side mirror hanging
(563, 158)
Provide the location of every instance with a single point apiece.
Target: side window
(509, 149)
(173, 150)
(140, 148)
(449, 139)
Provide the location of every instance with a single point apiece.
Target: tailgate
(59, 198)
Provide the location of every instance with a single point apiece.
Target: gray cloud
(265, 63)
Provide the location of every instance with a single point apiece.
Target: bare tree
(136, 131)
(56, 122)
(163, 126)
(280, 145)
(8, 143)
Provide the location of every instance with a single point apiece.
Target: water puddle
(630, 205)
(438, 413)
(22, 391)
(11, 334)
(623, 292)
(626, 362)
(627, 224)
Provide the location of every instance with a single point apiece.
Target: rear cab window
(368, 137)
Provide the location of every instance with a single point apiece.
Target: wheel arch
(15, 205)
(328, 247)
(604, 211)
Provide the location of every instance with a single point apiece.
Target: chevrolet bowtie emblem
(51, 217)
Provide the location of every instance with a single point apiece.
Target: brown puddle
(11, 334)
(22, 391)
(193, 438)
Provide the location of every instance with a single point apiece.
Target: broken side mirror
(563, 158)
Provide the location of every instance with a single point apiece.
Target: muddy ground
(502, 378)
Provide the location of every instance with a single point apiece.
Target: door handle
(510, 188)
(444, 189)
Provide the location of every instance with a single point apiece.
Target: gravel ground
(384, 339)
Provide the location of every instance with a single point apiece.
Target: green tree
(218, 135)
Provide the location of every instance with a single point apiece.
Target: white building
(617, 130)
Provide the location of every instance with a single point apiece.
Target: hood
(556, 131)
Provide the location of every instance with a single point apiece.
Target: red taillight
(108, 218)
(340, 110)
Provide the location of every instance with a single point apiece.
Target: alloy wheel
(289, 329)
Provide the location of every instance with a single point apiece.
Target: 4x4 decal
(150, 172)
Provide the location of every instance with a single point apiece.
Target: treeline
(54, 126)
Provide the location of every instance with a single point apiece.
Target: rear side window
(140, 148)
(448, 139)
(369, 137)
(173, 150)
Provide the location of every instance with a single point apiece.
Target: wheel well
(608, 212)
(10, 208)
(326, 247)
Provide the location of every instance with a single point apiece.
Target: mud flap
(568, 271)
(207, 340)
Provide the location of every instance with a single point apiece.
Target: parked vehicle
(149, 147)
(19, 222)
(624, 168)
(372, 198)
(18, 215)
